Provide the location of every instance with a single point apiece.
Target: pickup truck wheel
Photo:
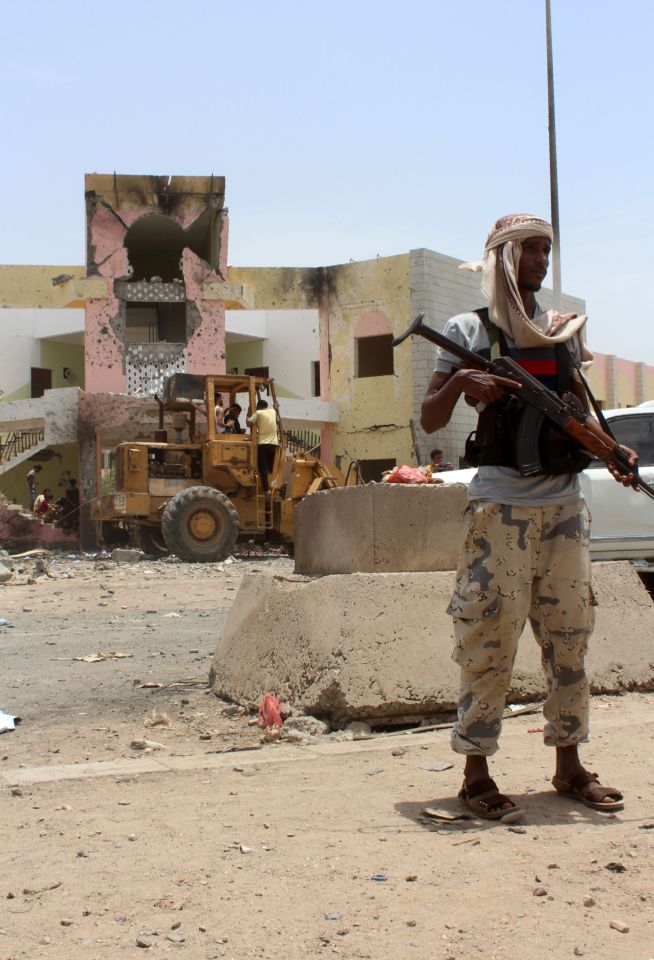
(200, 525)
(151, 541)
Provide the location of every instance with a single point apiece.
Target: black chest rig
(513, 434)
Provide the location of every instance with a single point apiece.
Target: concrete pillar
(89, 489)
(612, 399)
(640, 375)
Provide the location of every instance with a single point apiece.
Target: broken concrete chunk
(121, 555)
(307, 725)
(359, 729)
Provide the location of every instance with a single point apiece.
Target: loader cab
(229, 460)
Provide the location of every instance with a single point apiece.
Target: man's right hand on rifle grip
(484, 387)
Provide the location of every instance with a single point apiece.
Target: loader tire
(151, 541)
(200, 525)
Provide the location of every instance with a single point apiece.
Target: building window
(155, 323)
(374, 356)
(371, 470)
(315, 378)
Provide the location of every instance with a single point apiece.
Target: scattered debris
(438, 813)
(437, 766)
(157, 720)
(307, 725)
(7, 722)
(42, 566)
(121, 555)
(99, 657)
(358, 729)
(175, 937)
(333, 916)
(4, 622)
(146, 745)
(35, 891)
(271, 735)
(338, 736)
(234, 710)
(589, 901)
(176, 685)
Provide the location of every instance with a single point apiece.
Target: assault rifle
(566, 412)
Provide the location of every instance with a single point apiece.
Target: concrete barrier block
(364, 646)
(380, 528)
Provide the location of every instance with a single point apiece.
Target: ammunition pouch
(511, 434)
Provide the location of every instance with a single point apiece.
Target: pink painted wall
(373, 323)
(626, 382)
(105, 353)
(103, 366)
(205, 352)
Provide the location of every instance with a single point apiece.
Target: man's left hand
(626, 479)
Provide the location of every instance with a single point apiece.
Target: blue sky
(345, 129)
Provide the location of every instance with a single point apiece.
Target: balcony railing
(13, 444)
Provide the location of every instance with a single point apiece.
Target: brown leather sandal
(573, 788)
(484, 799)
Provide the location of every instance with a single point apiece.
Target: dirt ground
(293, 851)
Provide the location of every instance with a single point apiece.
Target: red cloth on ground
(269, 715)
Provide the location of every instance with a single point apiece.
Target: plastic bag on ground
(406, 474)
(269, 715)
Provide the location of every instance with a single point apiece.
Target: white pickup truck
(623, 520)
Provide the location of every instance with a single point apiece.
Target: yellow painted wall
(31, 286)
(23, 393)
(56, 355)
(14, 485)
(374, 411)
(596, 377)
(281, 288)
(244, 355)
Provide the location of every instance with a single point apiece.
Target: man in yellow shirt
(267, 438)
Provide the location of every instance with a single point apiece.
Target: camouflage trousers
(519, 562)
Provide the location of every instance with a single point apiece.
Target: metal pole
(554, 180)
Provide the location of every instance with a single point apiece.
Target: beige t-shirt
(266, 421)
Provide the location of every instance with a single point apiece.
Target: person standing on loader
(267, 439)
(526, 546)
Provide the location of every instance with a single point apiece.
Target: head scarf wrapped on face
(499, 284)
